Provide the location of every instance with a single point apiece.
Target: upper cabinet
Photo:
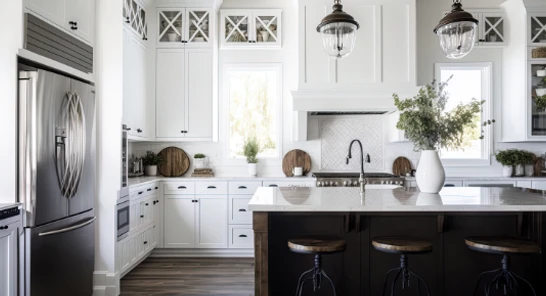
(491, 27)
(184, 27)
(134, 15)
(76, 17)
(537, 29)
(250, 28)
(384, 58)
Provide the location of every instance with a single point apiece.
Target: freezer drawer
(60, 257)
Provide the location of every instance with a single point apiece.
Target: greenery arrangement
(199, 156)
(251, 149)
(426, 123)
(540, 103)
(152, 159)
(511, 157)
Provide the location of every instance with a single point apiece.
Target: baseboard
(218, 253)
(134, 265)
(105, 283)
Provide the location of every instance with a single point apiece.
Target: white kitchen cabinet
(8, 259)
(383, 60)
(507, 183)
(238, 209)
(134, 15)
(212, 224)
(185, 27)
(241, 237)
(180, 221)
(295, 183)
(250, 28)
(77, 17)
(539, 185)
(184, 95)
(536, 28)
(491, 27)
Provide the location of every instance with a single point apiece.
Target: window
(254, 96)
(469, 81)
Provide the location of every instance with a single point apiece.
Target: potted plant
(508, 159)
(199, 161)
(541, 90)
(250, 151)
(540, 104)
(426, 123)
(524, 163)
(151, 161)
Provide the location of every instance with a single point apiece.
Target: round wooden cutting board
(175, 162)
(401, 166)
(296, 158)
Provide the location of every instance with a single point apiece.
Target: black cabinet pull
(156, 188)
(144, 38)
(127, 128)
(127, 20)
(243, 235)
(145, 242)
(273, 185)
(181, 187)
(146, 204)
(149, 189)
(242, 210)
(73, 23)
(211, 187)
(139, 130)
(141, 216)
(242, 187)
(73, 28)
(140, 192)
(449, 185)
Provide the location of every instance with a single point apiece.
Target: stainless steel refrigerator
(56, 176)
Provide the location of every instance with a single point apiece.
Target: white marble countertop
(349, 199)
(145, 180)
(4, 206)
(485, 178)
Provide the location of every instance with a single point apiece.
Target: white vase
(253, 169)
(430, 174)
(520, 170)
(265, 35)
(199, 163)
(150, 170)
(529, 170)
(429, 199)
(507, 171)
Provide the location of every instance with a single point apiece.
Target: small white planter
(253, 169)
(430, 174)
(541, 92)
(150, 170)
(529, 170)
(199, 163)
(541, 73)
(520, 170)
(265, 35)
(507, 171)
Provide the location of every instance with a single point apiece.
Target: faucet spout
(362, 178)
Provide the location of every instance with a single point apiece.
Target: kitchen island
(444, 219)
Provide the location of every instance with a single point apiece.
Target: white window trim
(487, 93)
(224, 123)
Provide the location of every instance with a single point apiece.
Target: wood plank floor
(191, 276)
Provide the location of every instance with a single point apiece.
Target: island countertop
(350, 199)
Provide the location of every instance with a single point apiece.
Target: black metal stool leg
(301, 281)
(387, 279)
(394, 282)
(526, 282)
(420, 279)
(331, 282)
(480, 278)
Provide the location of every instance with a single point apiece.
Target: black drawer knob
(243, 235)
(242, 187)
(211, 187)
(141, 216)
(140, 192)
(242, 210)
(145, 242)
(149, 189)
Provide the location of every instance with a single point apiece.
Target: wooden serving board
(401, 166)
(175, 162)
(296, 158)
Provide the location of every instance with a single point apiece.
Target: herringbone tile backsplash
(337, 133)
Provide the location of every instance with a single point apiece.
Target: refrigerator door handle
(67, 229)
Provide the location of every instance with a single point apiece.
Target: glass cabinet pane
(494, 29)
(134, 15)
(127, 10)
(236, 28)
(538, 85)
(538, 29)
(266, 29)
(142, 27)
(199, 28)
(170, 26)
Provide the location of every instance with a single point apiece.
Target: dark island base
(451, 269)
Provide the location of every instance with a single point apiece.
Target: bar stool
(403, 246)
(505, 247)
(317, 247)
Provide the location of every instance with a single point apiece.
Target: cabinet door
(537, 29)
(180, 221)
(235, 28)
(170, 93)
(53, 10)
(8, 257)
(139, 86)
(171, 24)
(212, 224)
(198, 27)
(199, 93)
(129, 90)
(492, 25)
(267, 27)
(80, 18)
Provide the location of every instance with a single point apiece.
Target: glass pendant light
(338, 31)
(457, 32)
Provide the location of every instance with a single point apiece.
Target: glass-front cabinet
(537, 29)
(250, 28)
(135, 16)
(181, 27)
(538, 98)
(492, 26)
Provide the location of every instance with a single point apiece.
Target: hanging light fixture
(338, 31)
(457, 32)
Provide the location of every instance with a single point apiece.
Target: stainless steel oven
(122, 218)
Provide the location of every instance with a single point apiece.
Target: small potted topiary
(151, 161)
(525, 164)
(199, 161)
(508, 158)
(251, 149)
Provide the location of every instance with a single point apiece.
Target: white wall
(11, 30)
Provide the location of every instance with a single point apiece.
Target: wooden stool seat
(317, 245)
(502, 245)
(401, 245)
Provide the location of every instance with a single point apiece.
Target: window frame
(226, 69)
(486, 69)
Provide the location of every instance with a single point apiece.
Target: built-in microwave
(122, 218)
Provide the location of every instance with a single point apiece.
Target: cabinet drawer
(241, 237)
(180, 188)
(211, 188)
(239, 213)
(249, 187)
(289, 183)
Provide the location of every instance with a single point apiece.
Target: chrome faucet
(362, 178)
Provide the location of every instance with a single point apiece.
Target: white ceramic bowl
(541, 73)
(541, 92)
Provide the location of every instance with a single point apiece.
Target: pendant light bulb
(457, 32)
(338, 32)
